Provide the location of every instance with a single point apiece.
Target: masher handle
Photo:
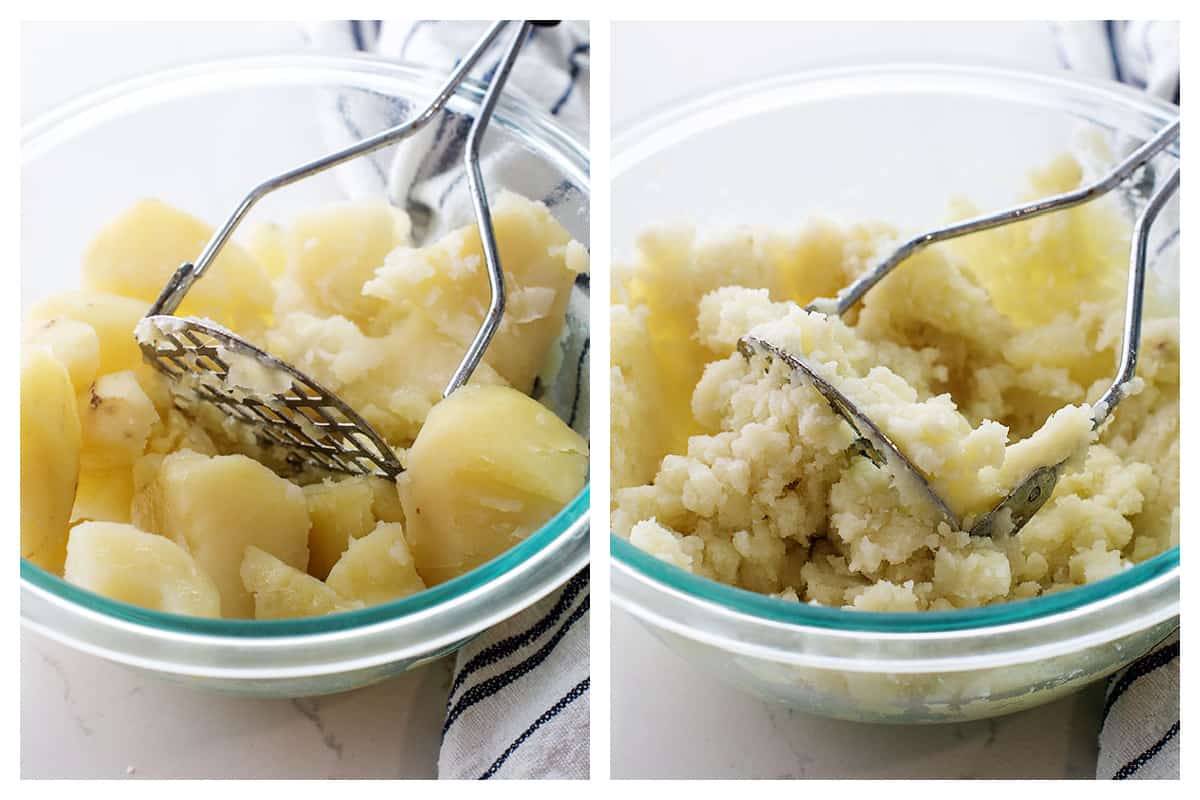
(187, 274)
(848, 297)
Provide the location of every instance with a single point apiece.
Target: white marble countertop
(83, 717)
(730, 734)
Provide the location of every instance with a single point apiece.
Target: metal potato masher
(313, 426)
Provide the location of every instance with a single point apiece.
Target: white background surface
(82, 717)
(669, 720)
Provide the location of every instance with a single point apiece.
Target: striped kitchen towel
(1141, 53)
(1139, 732)
(519, 701)
(518, 704)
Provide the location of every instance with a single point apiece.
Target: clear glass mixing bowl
(199, 137)
(892, 144)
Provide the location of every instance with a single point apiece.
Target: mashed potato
(979, 358)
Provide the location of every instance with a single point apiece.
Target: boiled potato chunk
(216, 506)
(104, 495)
(50, 440)
(176, 432)
(386, 504)
(333, 251)
(135, 254)
(126, 564)
(111, 317)
(447, 282)
(266, 244)
(377, 568)
(117, 417)
(281, 591)
(339, 510)
(75, 345)
(489, 468)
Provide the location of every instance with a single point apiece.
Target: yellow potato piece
(489, 468)
(104, 495)
(386, 503)
(333, 251)
(447, 282)
(1036, 269)
(377, 568)
(265, 242)
(281, 591)
(136, 253)
(174, 432)
(113, 319)
(117, 417)
(75, 345)
(50, 439)
(216, 506)
(126, 564)
(339, 510)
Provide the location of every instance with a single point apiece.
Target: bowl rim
(630, 563)
(557, 538)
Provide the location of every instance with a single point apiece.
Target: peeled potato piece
(386, 504)
(50, 439)
(104, 495)
(126, 564)
(489, 468)
(75, 345)
(331, 252)
(135, 254)
(377, 567)
(174, 432)
(281, 591)
(339, 511)
(117, 417)
(216, 506)
(265, 242)
(110, 316)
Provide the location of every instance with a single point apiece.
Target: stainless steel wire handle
(849, 296)
(483, 216)
(1131, 336)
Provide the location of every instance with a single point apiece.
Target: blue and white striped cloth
(519, 701)
(1139, 731)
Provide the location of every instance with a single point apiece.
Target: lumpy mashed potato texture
(978, 358)
(126, 495)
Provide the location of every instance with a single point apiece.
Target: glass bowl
(199, 137)
(891, 144)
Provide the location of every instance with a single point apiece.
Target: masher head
(872, 442)
(284, 410)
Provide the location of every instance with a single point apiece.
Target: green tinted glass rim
(790, 612)
(477, 578)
